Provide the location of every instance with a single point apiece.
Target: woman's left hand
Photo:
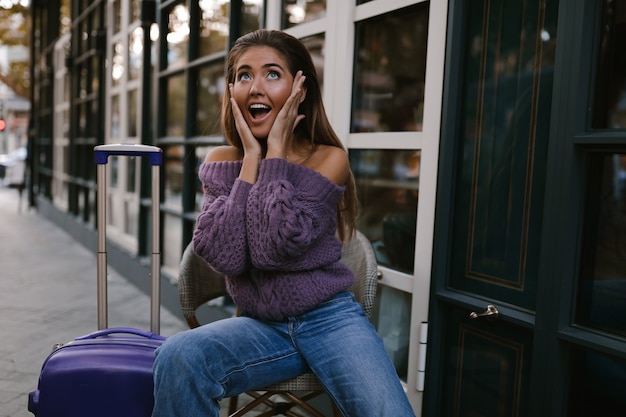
(280, 136)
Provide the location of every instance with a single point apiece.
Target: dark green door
(519, 314)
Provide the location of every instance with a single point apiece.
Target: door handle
(490, 312)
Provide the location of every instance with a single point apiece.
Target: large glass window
(177, 36)
(252, 15)
(315, 45)
(298, 11)
(389, 71)
(117, 65)
(596, 385)
(135, 10)
(388, 188)
(117, 15)
(391, 316)
(209, 94)
(173, 178)
(175, 107)
(610, 96)
(115, 118)
(135, 53)
(133, 119)
(602, 286)
(214, 28)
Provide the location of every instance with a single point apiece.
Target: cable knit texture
(275, 240)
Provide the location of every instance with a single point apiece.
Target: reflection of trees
(391, 70)
(178, 35)
(175, 105)
(210, 88)
(213, 31)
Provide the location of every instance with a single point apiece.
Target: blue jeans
(195, 369)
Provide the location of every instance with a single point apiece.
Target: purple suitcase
(107, 372)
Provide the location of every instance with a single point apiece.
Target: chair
(198, 284)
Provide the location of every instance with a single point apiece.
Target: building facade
(488, 143)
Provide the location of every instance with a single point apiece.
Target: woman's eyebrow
(246, 67)
(272, 65)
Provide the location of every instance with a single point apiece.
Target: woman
(276, 198)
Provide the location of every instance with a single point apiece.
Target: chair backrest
(358, 254)
(198, 283)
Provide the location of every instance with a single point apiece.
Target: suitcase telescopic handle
(155, 156)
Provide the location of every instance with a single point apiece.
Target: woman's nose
(255, 88)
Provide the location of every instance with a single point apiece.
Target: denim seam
(252, 364)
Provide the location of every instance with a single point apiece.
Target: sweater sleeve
(291, 208)
(220, 235)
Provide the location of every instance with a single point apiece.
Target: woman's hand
(252, 151)
(251, 145)
(280, 138)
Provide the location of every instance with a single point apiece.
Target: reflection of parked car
(13, 168)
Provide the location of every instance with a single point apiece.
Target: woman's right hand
(252, 152)
(251, 146)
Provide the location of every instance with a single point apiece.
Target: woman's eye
(273, 75)
(244, 76)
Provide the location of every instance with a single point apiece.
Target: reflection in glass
(252, 15)
(135, 53)
(209, 92)
(116, 15)
(135, 10)
(117, 62)
(214, 27)
(315, 46)
(610, 95)
(177, 36)
(387, 184)
(133, 120)
(131, 175)
(83, 116)
(504, 112)
(596, 385)
(131, 218)
(389, 71)
(115, 117)
(95, 72)
(298, 11)
(602, 285)
(173, 176)
(175, 113)
(392, 318)
(172, 234)
(114, 163)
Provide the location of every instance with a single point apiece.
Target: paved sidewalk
(48, 295)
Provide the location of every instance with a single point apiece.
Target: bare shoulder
(223, 153)
(332, 162)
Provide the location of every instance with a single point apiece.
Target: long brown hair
(315, 127)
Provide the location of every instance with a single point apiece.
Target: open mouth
(259, 111)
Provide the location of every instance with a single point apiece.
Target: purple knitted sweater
(275, 241)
